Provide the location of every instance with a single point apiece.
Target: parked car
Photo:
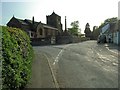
(101, 39)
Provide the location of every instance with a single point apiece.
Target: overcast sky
(93, 12)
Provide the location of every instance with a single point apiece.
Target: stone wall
(57, 40)
(67, 39)
(40, 41)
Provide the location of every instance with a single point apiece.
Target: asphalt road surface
(82, 65)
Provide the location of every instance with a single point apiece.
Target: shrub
(17, 58)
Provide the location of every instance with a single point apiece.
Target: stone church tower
(54, 20)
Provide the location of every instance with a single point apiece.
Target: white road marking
(105, 59)
(52, 72)
(112, 50)
(112, 56)
(91, 51)
(115, 64)
(56, 59)
(105, 69)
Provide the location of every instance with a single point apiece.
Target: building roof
(48, 26)
(30, 23)
(105, 28)
(22, 21)
(53, 13)
(44, 25)
(27, 20)
(110, 28)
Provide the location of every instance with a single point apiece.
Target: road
(82, 65)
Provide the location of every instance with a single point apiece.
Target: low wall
(57, 40)
(40, 41)
(67, 39)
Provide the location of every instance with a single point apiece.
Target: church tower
(54, 20)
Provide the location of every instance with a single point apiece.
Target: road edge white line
(53, 76)
(112, 51)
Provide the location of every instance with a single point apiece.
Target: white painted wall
(115, 37)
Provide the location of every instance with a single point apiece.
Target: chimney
(33, 20)
(65, 24)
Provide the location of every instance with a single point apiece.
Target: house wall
(119, 38)
(31, 34)
(39, 28)
(47, 33)
(25, 28)
(115, 37)
(51, 33)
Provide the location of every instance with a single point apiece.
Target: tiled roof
(22, 21)
(54, 14)
(47, 26)
(28, 22)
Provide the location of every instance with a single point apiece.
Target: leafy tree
(17, 55)
(96, 30)
(87, 31)
(109, 20)
(75, 28)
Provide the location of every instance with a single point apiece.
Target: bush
(17, 58)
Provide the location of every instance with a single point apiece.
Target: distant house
(106, 31)
(41, 33)
(112, 32)
(37, 29)
(116, 33)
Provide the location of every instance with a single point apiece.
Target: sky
(93, 12)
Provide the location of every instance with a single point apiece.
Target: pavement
(80, 65)
(41, 73)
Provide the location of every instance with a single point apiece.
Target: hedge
(17, 56)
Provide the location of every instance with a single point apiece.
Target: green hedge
(17, 58)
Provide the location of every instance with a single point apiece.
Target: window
(115, 34)
(46, 32)
(31, 34)
(40, 31)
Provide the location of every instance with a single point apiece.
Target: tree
(109, 20)
(75, 28)
(87, 31)
(95, 32)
